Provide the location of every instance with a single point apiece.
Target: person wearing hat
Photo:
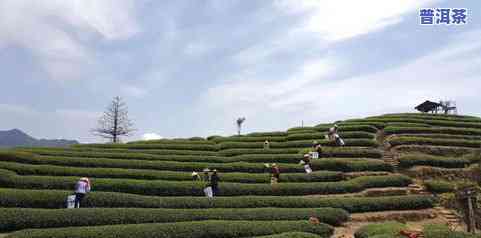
(275, 171)
(206, 177)
(82, 187)
(214, 182)
(266, 144)
(332, 131)
(195, 176)
(316, 149)
(306, 160)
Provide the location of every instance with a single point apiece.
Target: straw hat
(206, 170)
(84, 179)
(307, 155)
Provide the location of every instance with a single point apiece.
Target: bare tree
(239, 122)
(114, 122)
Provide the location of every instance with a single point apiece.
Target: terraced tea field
(145, 189)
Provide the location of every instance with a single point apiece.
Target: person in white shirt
(332, 132)
(82, 187)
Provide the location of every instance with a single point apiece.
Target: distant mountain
(16, 137)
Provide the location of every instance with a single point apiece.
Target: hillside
(393, 167)
(16, 137)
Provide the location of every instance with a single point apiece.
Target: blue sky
(190, 68)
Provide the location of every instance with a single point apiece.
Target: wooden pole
(471, 219)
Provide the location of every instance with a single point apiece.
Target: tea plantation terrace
(145, 188)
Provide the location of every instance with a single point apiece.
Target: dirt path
(414, 219)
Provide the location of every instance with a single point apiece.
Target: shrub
(346, 152)
(430, 116)
(389, 229)
(233, 152)
(350, 127)
(291, 235)
(435, 150)
(439, 186)
(442, 231)
(135, 156)
(250, 139)
(272, 133)
(56, 199)
(444, 136)
(197, 229)
(409, 160)
(52, 170)
(335, 164)
(377, 125)
(25, 218)
(401, 140)
(443, 123)
(431, 130)
(179, 188)
(406, 124)
(212, 137)
(191, 141)
(349, 142)
(304, 128)
(178, 146)
(321, 135)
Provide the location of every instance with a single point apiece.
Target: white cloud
(151, 136)
(309, 95)
(336, 20)
(133, 91)
(196, 48)
(16, 109)
(55, 31)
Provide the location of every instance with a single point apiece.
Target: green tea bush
(321, 136)
(406, 124)
(291, 235)
(292, 144)
(346, 152)
(264, 134)
(444, 136)
(401, 140)
(178, 146)
(442, 231)
(52, 170)
(179, 188)
(234, 152)
(136, 156)
(431, 130)
(350, 127)
(377, 125)
(12, 219)
(439, 186)
(431, 116)
(194, 141)
(388, 229)
(249, 139)
(334, 164)
(197, 229)
(435, 150)
(409, 160)
(442, 123)
(304, 128)
(56, 199)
